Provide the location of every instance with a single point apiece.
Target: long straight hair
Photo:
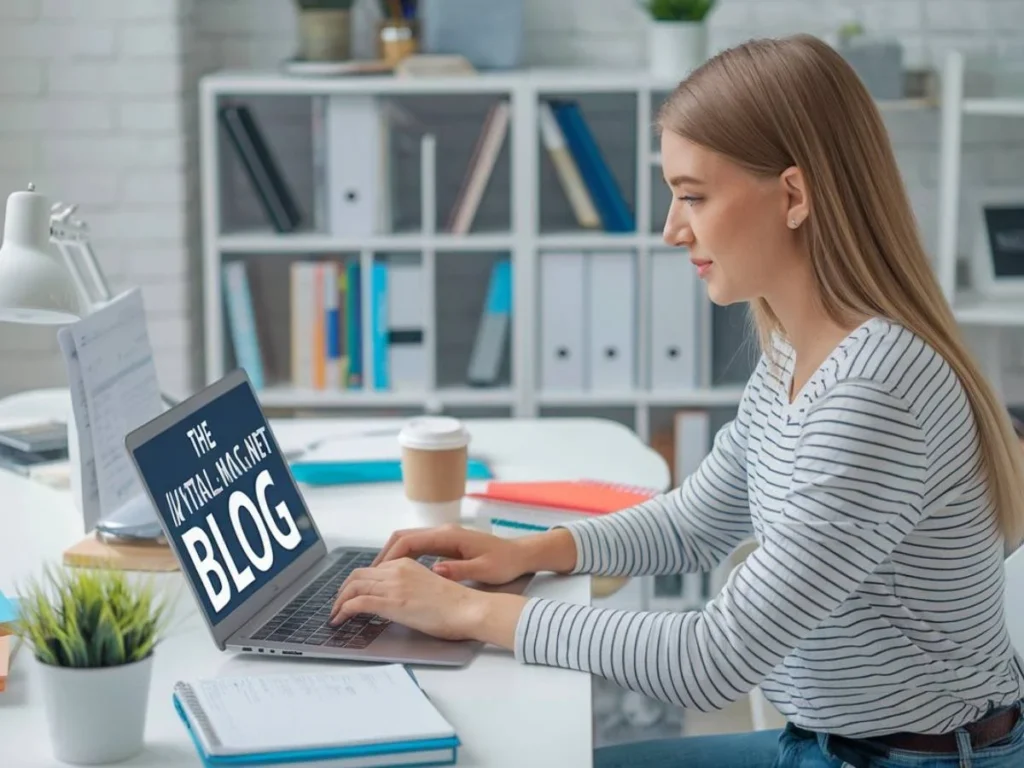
(769, 104)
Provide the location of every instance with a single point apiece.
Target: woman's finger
(353, 589)
(393, 539)
(365, 604)
(429, 541)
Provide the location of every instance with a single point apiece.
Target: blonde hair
(769, 104)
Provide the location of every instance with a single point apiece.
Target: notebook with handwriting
(372, 715)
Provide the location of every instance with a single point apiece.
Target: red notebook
(587, 496)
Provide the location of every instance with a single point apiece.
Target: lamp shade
(35, 286)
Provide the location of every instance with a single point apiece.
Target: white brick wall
(92, 104)
(93, 94)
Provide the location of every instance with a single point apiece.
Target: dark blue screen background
(169, 459)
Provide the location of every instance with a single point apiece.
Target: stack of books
(526, 507)
(8, 615)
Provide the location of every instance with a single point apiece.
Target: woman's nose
(676, 233)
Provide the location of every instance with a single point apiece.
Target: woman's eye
(689, 199)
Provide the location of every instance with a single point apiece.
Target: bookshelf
(524, 215)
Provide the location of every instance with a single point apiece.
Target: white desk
(503, 711)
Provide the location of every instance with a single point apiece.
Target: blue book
(611, 205)
(354, 325)
(376, 715)
(379, 326)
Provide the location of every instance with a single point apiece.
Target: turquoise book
(369, 715)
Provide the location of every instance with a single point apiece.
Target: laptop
(251, 553)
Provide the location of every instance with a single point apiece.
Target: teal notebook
(366, 716)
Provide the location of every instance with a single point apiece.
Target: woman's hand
(480, 556)
(406, 592)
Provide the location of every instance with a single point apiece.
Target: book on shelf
(370, 715)
(566, 167)
(598, 182)
(493, 330)
(241, 317)
(481, 167)
(261, 167)
(328, 344)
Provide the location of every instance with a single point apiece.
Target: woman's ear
(798, 203)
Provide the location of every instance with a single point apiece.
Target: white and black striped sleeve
(691, 528)
(857, 490)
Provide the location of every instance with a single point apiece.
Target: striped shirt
(874, 601)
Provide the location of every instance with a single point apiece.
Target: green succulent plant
(678, 10)
(79, 617)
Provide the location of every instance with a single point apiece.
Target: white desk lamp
(35, 288)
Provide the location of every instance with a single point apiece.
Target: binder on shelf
(492, 334)
(562, 317)
(406, 325)
(242, 321)
(676, 326)
(268, 182)
(611, 321)
(351, 157)
(566, 167)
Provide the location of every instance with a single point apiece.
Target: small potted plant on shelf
(677, 36)
(93, 634)
(877, 61)
(325, 30)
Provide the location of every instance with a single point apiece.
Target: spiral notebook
(365, 716)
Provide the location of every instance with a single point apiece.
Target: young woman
(869, 458)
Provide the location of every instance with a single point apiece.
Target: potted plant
(877, 61)
(325, 30)
(677, 36)
(93, 634)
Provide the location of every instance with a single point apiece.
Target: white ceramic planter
(96, 716)
(675, 48)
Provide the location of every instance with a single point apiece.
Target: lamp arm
(67, 234)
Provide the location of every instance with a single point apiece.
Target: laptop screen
(227, 500)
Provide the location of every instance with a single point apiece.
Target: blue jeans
(794, 748)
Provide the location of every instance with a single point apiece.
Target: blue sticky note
(8, 610)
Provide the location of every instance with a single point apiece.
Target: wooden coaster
(92, 552)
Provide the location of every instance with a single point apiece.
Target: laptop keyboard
(303, 620)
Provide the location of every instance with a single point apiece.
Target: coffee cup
(435, 455)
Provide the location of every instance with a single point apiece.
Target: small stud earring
(792, 223)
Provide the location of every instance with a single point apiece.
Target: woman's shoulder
(885, 357)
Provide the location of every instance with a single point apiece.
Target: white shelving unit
(995, 317)
(523, 242)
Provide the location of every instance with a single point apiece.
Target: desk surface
(493, 703)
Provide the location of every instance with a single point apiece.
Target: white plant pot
(96, 716)
(675, 48)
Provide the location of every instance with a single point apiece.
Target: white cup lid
(434, 433)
